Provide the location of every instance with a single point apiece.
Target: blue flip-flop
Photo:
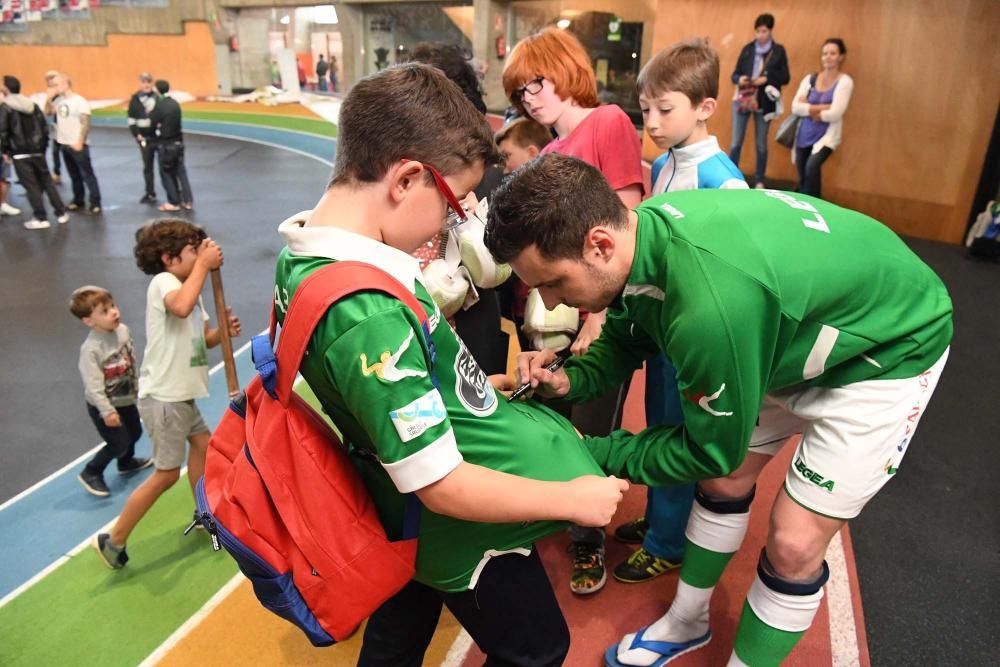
(667, 650)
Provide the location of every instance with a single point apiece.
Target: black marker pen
(526, 387)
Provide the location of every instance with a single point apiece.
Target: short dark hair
(836, 41)
(12, 84)
(162, 86)
(551, 203)
(450, 59)
(690, 67)
(84, 299)
(410, 111)
(765, 20)
(525, 132)
(164, 236)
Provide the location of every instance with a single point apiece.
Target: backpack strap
(310, 303)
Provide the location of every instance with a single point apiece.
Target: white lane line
(193, 622)
(459, 649)
(843, 628)
(237, 137)
(37, 485)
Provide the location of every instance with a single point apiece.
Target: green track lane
(295, 123)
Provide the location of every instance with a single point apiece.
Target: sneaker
(589, 575)
(94, 483)
(35, 223)
(642, 566)
(114, 557)
(633, 532)
(133, 465)
(95, 210)
(760, 186)
(63, 219)
(57, 179)
(187, 206)
(7, 209)
(73, 206)
(147, 199)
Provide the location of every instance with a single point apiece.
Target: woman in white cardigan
(822, 106)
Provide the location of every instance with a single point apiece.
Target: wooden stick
(222, 315)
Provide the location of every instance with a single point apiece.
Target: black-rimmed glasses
(534, 87)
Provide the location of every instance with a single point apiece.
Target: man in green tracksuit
(783, 314)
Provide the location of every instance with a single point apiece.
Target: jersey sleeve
(617, 353)
(382, 372)
(723, 350)
(619, 151)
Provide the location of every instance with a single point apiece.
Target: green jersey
(749, 292)
(368, 364)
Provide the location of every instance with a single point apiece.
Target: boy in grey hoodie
(107, 366)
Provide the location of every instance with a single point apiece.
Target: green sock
(761, 645)
(702, 567)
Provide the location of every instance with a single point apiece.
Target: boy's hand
(210, 255)
(234, 323)
(531, 367)
(503, 383)
(112, 420)
(589, 332)
(596, 499)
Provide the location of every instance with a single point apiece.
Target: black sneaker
(147, 199)
(73, 206)
(642, 566)
(94, 483)
(633, 532)
(133, 465)
(95, 210)
(114, 557)
(588, 575)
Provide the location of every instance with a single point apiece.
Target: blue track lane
(56, 517)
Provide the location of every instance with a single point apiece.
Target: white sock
(686, 619)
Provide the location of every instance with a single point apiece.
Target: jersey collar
(649, 271)
(342, 245)
(697, 152)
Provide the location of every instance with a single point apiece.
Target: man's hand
(112, 419)
(78, 146)
(589, 332)
(597, 499)
(210, 255)
(531, 368)
(503, 383)
(759, 81)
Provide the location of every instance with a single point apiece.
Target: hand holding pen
(525, 371)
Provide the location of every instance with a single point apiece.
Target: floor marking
(459, 649)
(843, 632)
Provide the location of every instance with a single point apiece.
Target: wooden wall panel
(927, 88)
(111, 71)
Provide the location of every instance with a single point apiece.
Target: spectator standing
(322, 67)
(139, 124)
(761, 71)
(822, 106)
(72, 127)
(41, 99)
(166, 121)
(334, 81)
(24, 136)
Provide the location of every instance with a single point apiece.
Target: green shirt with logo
(749, 292)
(368, 364)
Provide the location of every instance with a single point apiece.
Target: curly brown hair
(164, 236)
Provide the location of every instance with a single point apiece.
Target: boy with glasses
(492, 477)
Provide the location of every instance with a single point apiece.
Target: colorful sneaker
(589, 575)
(114, 557)
(633, 532)
(642, 566)
(133, 465)
(94, 483)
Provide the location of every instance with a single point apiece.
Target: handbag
(788, 131)
(746, 96)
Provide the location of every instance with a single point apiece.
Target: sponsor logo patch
(413, 420)
(386, 368)
(472, 387)
(814, 477)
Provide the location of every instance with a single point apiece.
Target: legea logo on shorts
(413, 420)
(813, 476)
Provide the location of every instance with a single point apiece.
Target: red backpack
(281, 494)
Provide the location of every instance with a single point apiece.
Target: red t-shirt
(607, 140)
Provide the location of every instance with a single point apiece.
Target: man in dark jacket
(166, 121)
(24, 136)
(139, 108)
(761, 71)
(322, 67)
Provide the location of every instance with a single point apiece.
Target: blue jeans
(761, 127)
(667, 507)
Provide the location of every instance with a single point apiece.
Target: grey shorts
(169, 426)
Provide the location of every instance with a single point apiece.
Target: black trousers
(512, 615)
(810, 166)
(56, 162)
(81, 172)
(173, 173)
(33, 174)
(148, 155)
(119, 442)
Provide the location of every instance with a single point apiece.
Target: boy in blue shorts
(107, 368)
(174, 369)
(678, 88)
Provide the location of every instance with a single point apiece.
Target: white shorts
(853, 437)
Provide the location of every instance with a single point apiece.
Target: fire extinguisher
(501, 44)
(234, 43)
